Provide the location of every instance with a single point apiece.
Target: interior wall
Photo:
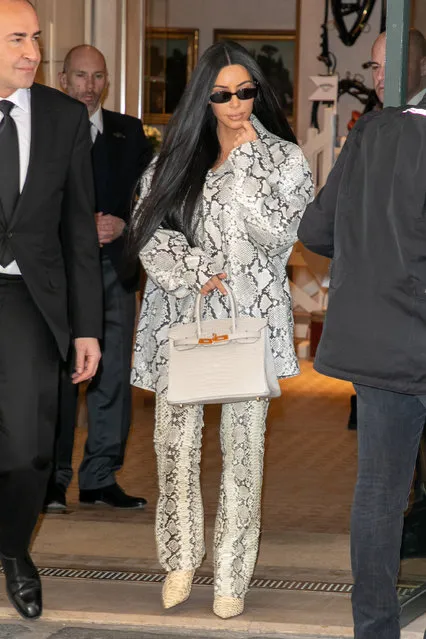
(64, 24)
(106, 37)
(420, 16)
(350, 59)
(277, 14)
(67, 23)
(207, 15)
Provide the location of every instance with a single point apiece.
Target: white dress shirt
(96, 124)
(21, 114)
(416, 99)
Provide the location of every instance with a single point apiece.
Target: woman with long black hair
(222, 200)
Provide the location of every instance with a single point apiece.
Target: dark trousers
(29, 364)
(108, 396)
(389, 430)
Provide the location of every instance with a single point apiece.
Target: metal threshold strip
(325, 587)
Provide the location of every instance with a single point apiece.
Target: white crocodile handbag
(220, 361)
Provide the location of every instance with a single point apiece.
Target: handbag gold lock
(214, 339)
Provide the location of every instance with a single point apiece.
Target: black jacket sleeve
(316, 230)
(80, 241)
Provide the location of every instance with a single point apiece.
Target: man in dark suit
(120, 153)
(50, 283)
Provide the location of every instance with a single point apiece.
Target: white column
(89, 21)
(142, 29)
(63, 26)
(135, 56)
(106, 38)
(311, 18)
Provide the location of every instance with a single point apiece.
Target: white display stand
(310, 272)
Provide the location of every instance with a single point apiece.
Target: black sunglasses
(246, 93)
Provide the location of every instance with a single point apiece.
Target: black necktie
(9, 160)
(9, 170)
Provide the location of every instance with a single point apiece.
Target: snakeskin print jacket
(246, 225)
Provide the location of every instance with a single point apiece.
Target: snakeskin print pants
(180, 517)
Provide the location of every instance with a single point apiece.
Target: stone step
(103, 610)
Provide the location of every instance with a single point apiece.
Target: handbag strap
(232, 302)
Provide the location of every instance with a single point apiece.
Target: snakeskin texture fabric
(246, 225)
(247, 221)
(180, 518)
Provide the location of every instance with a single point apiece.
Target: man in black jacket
(416, 89)
(120, 153)
(371, 219)
(50, 283)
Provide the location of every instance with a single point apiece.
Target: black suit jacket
(52, 233)
(120, 156)
(371, 219)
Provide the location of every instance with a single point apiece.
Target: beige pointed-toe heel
(227, 607)
(177, 587)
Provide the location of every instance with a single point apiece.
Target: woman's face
(231, 114)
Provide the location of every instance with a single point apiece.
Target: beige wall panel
(62, 23)
(106, 39)
(69, 26)
(420, 16)
(134, 56)
(278, 14)
(207, 15)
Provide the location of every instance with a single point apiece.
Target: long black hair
(191, 146)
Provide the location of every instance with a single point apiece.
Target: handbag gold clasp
(214, 339)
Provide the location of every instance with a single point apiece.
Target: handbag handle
(233, 304)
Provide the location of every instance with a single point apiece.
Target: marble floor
(105, 581)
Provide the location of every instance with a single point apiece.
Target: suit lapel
(109, 139)
(114, 155)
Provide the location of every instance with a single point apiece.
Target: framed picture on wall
(170, 57)
(276, 53)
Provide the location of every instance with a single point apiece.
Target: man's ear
(63, 83)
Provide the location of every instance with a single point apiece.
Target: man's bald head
(83, 51)
(416, 72)
(378, 59)
(85, 75)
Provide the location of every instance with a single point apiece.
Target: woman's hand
(247, 133)
(213, 283)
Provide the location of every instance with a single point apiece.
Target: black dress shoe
(112, 495)
(23, 585)
(55, 501)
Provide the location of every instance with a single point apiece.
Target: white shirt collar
(97, 120)
(416, 99)
(22, 99)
